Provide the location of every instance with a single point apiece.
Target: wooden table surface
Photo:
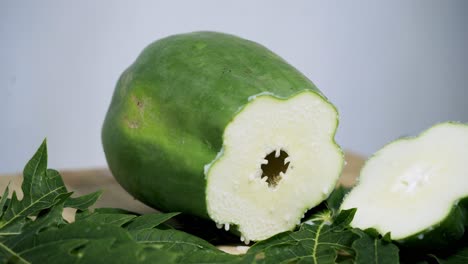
(89, 180)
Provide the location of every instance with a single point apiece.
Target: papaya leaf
(10, 245)
(82, 214)
(87, 242)
(52, 219)
(129, 221)
(79, 242)
(4, 199)
(335, 199)
(42, 189)
(82, 251)
(84, 230)
(108, 210)
(343, 219)
(83, 202)
(95, 251)
(103, 251)
(374, 250)
(318, 240)
(171, 238)
(107, 219)
(149, 220)
(209, 257)
(7, 255)
(32, 230)
(195, 249)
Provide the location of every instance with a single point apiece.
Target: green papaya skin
(170, 108)
(442, 234)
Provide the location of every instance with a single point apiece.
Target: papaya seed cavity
(275, 165)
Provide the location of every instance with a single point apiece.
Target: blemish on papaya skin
(248, 71)
(226, 70)
(139, 103)
(131, 123)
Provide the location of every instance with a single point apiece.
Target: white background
(392, 68)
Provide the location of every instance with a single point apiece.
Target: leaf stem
(12, 253)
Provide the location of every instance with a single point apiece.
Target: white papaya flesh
(415, 188)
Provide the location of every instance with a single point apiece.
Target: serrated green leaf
(107, 243)
(107, 219)
(83, 202)
(14, 243)
(38, 233)
(4, 200)
(84, 230)
(41, 188)
(119, 217)
(344, 218)
(51, 219)
(149, 220)
(387, 237)
(106, 250)
(209, 257)
(194, 249)
(319, 240)
(374, 250)
(88, 242)
(35, 170)
(81, 215)
(335, 199)
(7, 255)
(16, 224)
(171, 238)
(106, 210)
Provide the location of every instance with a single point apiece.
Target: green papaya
(220, 127)
(416, 188)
